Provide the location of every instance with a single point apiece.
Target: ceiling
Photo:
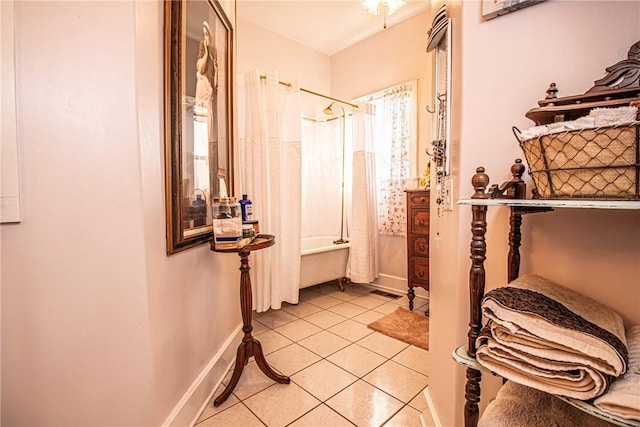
(327, 26)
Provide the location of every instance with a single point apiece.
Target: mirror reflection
(199, 154)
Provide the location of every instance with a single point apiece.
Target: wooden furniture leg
(476, 291)
(250, 347)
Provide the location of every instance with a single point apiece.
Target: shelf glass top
(573, 203)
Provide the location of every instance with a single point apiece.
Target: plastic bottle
(246, 208)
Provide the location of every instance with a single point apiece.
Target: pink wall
(99, 326)
(267, 51)
(501, 68)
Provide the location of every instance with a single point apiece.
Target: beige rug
(406, 326)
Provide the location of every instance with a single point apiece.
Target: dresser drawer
(419, 271)
(420, 221)
(419, 199)
(419, 245)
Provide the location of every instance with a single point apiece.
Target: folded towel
(597, 117)
(614, 116)
(551, 338)
(623, 398)
(517, 405)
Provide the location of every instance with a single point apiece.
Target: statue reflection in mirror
(206, 103)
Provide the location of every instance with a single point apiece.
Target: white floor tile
(357, 360)
(297, 330)
(382, 344)
(325, 319)
(237, 415)
(321, 416)
(302, 309)
(291, 359)
(364, 405)
(274, 318)
(406, 417)
(351, 330)
(415, 358)
(323, 379)
(324, 343)
(281, 404)
(399, 381)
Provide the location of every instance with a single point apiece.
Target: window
(395, 134)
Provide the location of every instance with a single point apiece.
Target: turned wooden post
(515, 222)
(476, 291)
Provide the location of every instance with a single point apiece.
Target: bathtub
(321, 261)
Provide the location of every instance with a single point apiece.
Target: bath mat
(404, 325)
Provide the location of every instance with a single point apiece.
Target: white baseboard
(193, 401)
(398, 285)
(432, 413)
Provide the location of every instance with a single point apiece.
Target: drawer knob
(421, 274)
(421, 221)
(421, 247)
(423, 199)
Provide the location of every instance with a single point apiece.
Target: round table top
(260, 242)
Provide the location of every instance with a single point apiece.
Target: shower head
(329, 111)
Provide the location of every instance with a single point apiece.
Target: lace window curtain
(395, 132)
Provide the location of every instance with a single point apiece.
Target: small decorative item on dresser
(417, 241)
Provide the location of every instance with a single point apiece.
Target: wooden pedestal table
(250, 347)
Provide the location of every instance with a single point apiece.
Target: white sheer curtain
(363, 264)
(321, 177)
(270, 167)
(395, 122)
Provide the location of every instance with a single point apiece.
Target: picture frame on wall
(494, 8)
(198, 118)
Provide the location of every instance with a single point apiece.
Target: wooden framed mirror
(198, 118)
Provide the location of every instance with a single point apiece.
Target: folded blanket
(623, 398)
(551, 338)
(517, 405)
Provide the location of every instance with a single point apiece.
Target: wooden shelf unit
(510, 194)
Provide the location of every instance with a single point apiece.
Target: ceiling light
(388, 7)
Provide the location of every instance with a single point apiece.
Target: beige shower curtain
(270, 167)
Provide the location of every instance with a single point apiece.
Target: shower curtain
(363, 264)
(270, 167)
(321, 177)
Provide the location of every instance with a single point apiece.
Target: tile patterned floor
(342, 373)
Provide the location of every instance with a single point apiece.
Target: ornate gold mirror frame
(198, 118)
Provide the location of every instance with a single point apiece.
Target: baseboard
(432, 413)
(398, 285)
(193, 401)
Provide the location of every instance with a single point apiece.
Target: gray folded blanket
(518, 405)
(551, 338)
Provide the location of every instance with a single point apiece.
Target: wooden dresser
(417, 241)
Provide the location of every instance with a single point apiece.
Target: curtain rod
(354, 106)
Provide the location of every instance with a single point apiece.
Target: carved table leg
(250, 347)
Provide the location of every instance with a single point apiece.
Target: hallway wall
(99, 326)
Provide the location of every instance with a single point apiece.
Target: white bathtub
(322, 261)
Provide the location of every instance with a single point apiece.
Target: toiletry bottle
(247, 208)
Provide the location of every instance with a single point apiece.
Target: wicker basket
(601, 163)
